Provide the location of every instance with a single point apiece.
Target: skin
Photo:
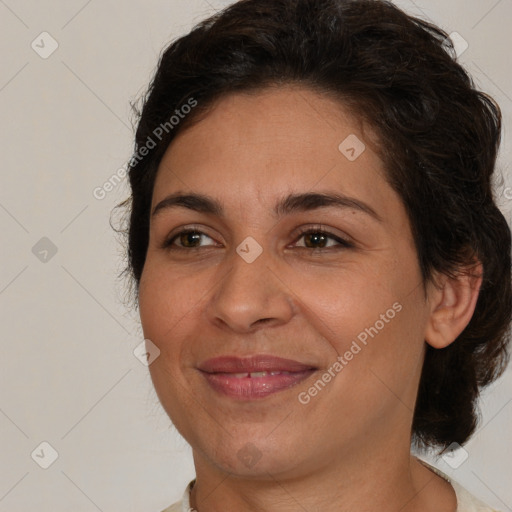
(302, 299)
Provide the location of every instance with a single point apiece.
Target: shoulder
(184, 504)
(466, 502)
(177, 507)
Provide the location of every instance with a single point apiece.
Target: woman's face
(345, 302)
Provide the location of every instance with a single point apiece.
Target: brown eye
(315, 239)
(188, 239)
(318, 239)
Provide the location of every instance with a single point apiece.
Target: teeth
(256, 374)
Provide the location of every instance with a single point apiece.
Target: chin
(251, 463)
(257, 457)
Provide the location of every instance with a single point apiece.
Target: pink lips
(253, 377)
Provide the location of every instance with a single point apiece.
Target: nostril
(263, 320)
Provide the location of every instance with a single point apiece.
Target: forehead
(251, 147)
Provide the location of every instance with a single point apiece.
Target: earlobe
(453, 303)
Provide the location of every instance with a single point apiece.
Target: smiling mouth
(253, 377)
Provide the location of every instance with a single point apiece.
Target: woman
(317, 255)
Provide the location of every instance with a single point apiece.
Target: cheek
(165, 300)
(343, 304)
(383, 359)
(170, 305)
(160, 312)
(375, 321)
(152, 298)
(162, 309)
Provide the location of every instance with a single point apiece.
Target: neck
(391, 481)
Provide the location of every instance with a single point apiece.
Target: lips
(253, 377)
(261, 363)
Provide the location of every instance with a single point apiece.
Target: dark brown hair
(438, 137)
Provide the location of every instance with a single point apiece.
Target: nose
(249, 295)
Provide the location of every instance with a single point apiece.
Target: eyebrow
(285, 206)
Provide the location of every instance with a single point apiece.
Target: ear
(453, 301)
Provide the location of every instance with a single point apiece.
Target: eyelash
(342, 243)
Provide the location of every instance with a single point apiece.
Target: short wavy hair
(438, 138)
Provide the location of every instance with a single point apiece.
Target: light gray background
(68, 375)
